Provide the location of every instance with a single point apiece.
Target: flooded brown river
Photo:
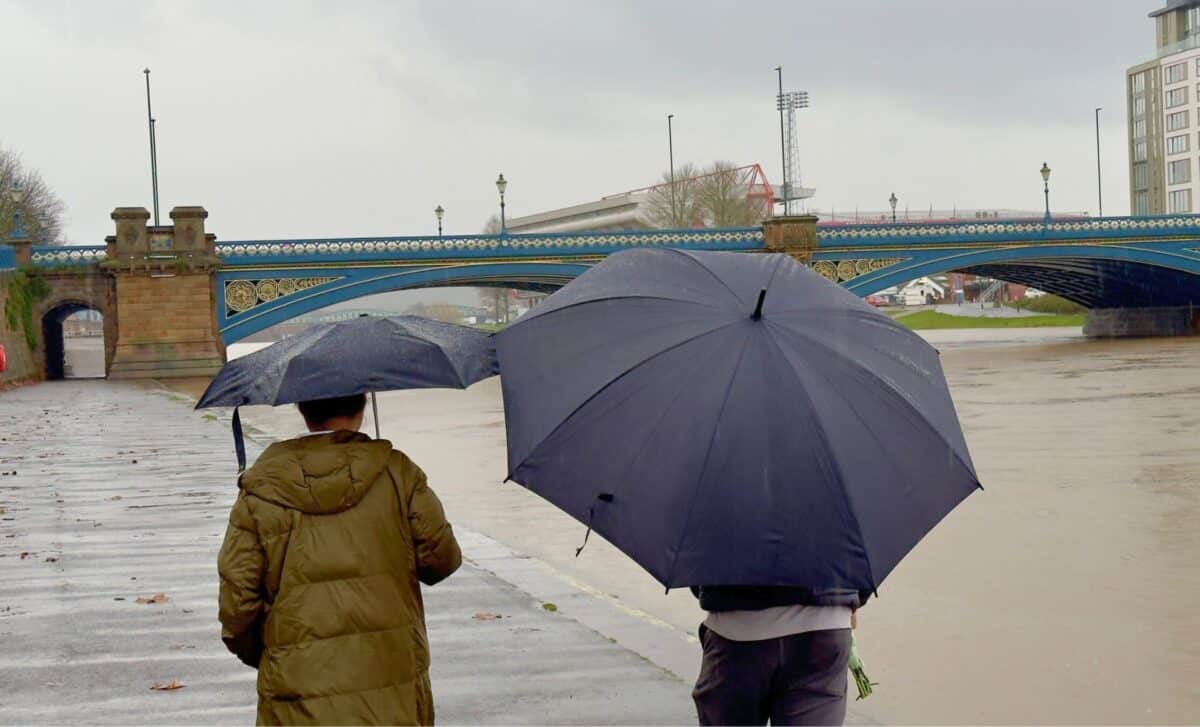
(1066, 592)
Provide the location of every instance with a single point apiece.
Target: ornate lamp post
(892, 201)
(438, 212)
(17, 195)
(501, 185)
(1046, 188)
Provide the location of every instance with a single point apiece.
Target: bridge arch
(1095, 276)
(359, 282)
(54, 335)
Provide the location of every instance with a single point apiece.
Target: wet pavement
(110, 492)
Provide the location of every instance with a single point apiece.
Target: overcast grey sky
(296, 119)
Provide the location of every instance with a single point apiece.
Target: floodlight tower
(787, 104)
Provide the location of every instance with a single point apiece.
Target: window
(1139, 128)
(1176, 73)
(1180, 201)
(1139, 106)
(1179, 171)
(1176, 97)
(1177, 144)
(1139, 175)
(1139, 151)
(1141, 203)
(1176, 121)
(1137, 82)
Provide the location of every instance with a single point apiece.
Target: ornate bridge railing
(385, 249)
(993, 231)
(44, 256)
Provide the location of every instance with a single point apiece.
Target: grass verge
(932, 320)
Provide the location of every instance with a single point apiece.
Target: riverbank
(936, 320)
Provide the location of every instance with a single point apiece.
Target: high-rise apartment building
(1163, 99)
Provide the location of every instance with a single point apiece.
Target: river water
(1066, 592)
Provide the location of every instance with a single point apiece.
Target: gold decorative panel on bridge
(244, 294)
(841, 270)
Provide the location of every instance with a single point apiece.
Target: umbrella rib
(887, 385)
(713, 274)
(614, 296)
(609, 383)
(308, 344)
(837, 470)
(867, 316)
(704, 467)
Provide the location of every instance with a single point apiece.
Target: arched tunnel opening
(1099, 283)
(73, 338)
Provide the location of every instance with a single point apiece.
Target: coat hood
(319, 474)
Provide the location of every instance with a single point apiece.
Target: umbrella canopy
(358, 356)
(732, 419)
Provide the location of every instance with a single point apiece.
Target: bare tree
(721, 195)
(495, 302)
(714, 197)
(41, 209)
(673, 204)
(492, 226)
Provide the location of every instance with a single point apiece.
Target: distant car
(876, 300)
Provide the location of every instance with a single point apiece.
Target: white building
(921, 291)
(1163, 107)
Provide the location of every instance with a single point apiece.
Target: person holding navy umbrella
(738, 425)
(333, 532)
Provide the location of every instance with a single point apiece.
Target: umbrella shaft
(375, 412)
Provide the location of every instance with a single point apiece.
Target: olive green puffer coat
(319, 581)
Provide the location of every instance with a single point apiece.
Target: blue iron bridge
(1101, 263)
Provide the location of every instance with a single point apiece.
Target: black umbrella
(362, 355)
(732, 419)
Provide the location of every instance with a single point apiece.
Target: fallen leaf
(549, 607)
(156, 598)
(169, 686)
(484, 616)
(181, 647)
(115, 497)
(24, 554)
(51, 559)
(3, 510)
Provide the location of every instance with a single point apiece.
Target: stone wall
(167, 326)
(23, 364)
(1142, 322)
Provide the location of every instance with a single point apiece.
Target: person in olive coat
(328, 542)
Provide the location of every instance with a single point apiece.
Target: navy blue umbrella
(732, 419)
(362, 355)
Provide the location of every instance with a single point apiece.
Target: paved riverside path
(111, 491)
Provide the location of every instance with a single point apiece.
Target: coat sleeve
(438, 554)
(242, 566)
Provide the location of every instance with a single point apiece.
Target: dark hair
(319, 411)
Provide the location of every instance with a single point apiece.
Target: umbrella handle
(239, 442)
(375, 411)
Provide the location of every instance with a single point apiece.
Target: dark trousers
(792, 680)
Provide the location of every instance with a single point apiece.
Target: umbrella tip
(762, 294)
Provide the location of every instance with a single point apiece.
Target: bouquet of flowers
(856, 669)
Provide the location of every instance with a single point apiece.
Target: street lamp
(438, 212)
(671, 161)
(501, 185)
(892, 201)
(17, 194)
(1046, 187)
